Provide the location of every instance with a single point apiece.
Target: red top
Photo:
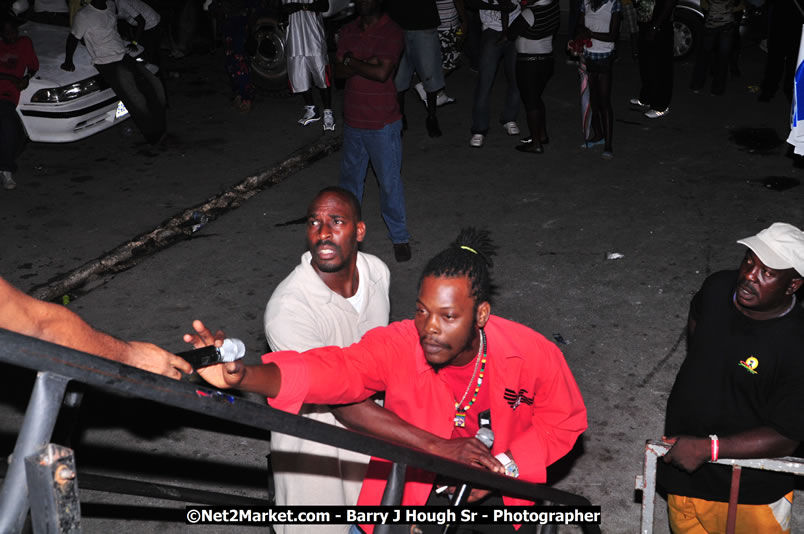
(457, 379)
(536, 408)
(368, 104)
(15, 58)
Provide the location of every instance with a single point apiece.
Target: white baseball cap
(780, 246)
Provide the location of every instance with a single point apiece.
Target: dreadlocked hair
(469, 255)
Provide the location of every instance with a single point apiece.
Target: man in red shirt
(18, 64)
(440, 370)
(368, 52)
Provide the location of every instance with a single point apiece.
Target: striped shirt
(543, 20)
(546, 20)
(448, 14)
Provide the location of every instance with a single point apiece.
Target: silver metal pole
(647, 483)
(40, 418)
(53, 491)
(647, 480)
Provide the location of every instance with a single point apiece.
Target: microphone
(231, 350)
(486, 436)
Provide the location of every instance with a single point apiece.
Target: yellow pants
(697, 516)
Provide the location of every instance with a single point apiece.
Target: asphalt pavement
(669, 207)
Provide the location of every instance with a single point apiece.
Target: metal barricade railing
(654, 449)
(57, 365)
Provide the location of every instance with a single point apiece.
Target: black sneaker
(432, 127)
(402, 252)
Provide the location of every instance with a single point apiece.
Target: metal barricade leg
(53, 491)
(40, 418)
(392, 496)
(734, 493)
(647, 483)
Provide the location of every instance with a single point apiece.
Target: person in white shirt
(308, 64)
(140, 91)
(334, 296)
(494, 49)
(147, 30)
(600, 24)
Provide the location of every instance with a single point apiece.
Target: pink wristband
(715, 446)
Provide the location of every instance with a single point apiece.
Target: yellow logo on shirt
(750, 364)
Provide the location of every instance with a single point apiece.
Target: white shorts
(302, 70)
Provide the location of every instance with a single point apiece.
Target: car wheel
(686, 30)
(268, 60)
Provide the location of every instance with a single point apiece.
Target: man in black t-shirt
(740, 390)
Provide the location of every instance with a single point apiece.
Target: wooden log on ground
(183, 225)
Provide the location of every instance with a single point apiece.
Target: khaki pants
(689, 515)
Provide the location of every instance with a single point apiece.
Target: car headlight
(56, 95)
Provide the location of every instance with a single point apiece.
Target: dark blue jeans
(235, 34)
(714, 51)
(784, 36)
(656, 66)
(12, 136)
(383, 148)
(471, 43)
(141, 92)
(492, 52)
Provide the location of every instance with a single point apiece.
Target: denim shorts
(599, 63)
(423, 56)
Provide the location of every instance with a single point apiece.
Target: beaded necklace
(460, 415)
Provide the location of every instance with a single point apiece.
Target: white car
(60, 106)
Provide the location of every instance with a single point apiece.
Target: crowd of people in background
(18, 64)
(95, 24)
(438, 37)
(520, 37)
(422, 42)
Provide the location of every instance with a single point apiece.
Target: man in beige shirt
(334, 296)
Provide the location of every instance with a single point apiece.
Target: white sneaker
(476, 140)
(511, 127)
(329, 120)
(8, 181)
(638, 103)
(442, 99)
(422, 93)
(311, 114)
(654, 114)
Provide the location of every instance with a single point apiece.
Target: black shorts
(599, 66)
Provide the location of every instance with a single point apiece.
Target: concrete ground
(678, 194)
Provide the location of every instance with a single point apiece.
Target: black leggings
(599, 72)
(533, 71)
